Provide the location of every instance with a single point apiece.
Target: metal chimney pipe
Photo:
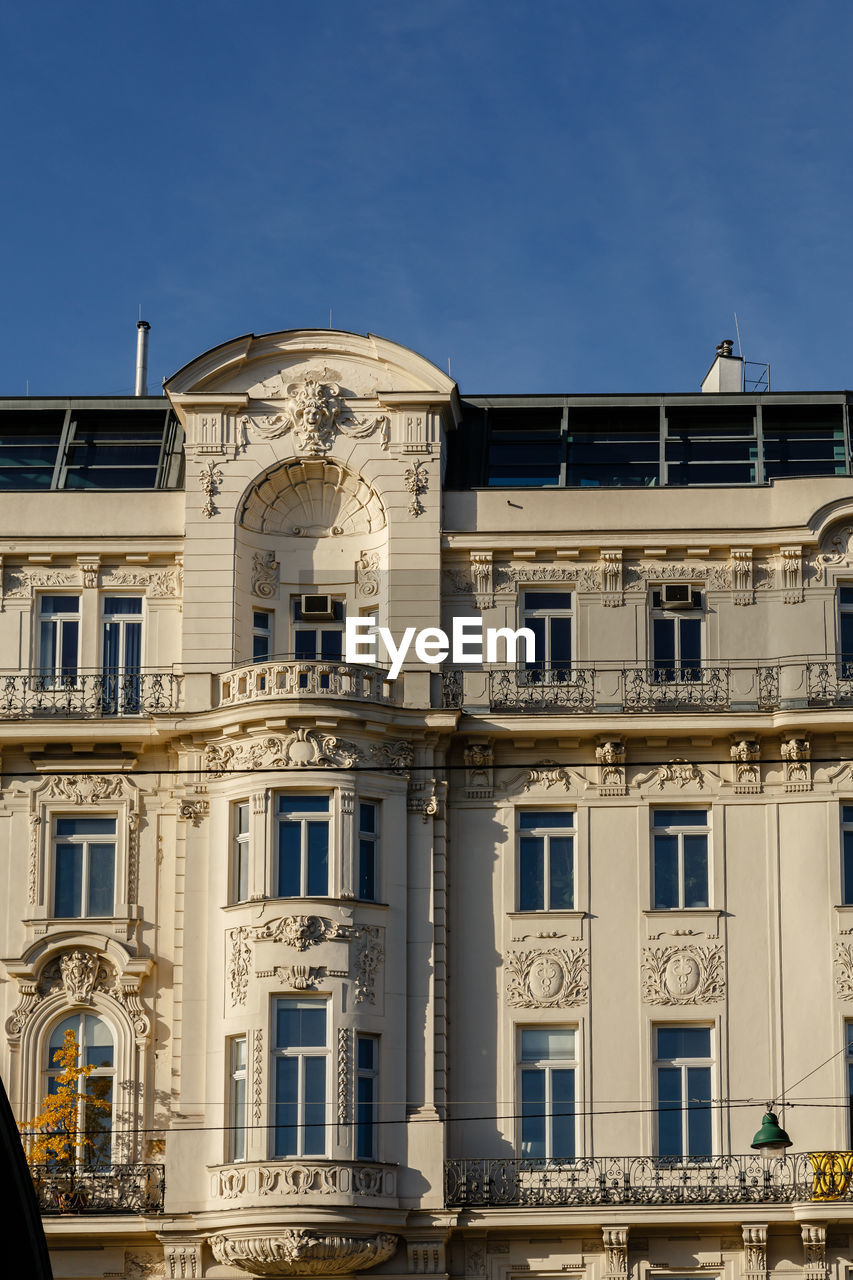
(142, 358)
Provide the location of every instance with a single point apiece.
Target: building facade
(481, 969)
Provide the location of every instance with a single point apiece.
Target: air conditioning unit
(677, 595)
(321, 608)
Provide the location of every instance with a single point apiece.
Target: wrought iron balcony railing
(608, 688)
(87, 695)
(647, 1180)
(119, 1188)
(307, 678)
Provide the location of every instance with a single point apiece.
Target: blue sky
(556, 196)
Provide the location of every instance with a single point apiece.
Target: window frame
(370, 1125)
(85, 863)
(335, 625)
(547, 1066)
(684, 1063)
(300, 1053)
(237, 1136)
(680, 830)
(241, 852)
(59, 672)
(544, 666)
(279, 820)
(677, 672)
(844, 612)
(266, 633)
(546, 833)
(368, 843)
(50, 1070)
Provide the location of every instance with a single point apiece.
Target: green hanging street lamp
(771, 1139)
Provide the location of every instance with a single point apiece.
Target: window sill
(122, 926)
(683, 922)
(345, 903)
(531, 924)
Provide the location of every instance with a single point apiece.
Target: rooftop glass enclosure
(90, 444)
(646, 441)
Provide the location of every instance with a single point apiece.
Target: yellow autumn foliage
(57, 1135)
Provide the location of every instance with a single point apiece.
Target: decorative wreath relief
(683, 975)
(552, 979)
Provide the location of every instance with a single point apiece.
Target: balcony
(122, 1188)
(614, 688)
(307, 678)
(646, 1180)
(279, 1182)
(87, 695)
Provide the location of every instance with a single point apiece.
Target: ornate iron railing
(829, 683)
(88, 695)
(647, 1180)
(119, 1188)
(675, 689)
(306, 678)
(523, 689)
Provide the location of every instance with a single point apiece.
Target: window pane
(69, 631)
(691, 641)
(300, 1025)
(547, 1043)
(562, 887)
(303, 804)
(365, 1118)
(318, 858)
(695, 871)
(699, 1111)
(561, 641)
(684, 1042)
(533, 1114)
(544, 818)
(85, 826)
(68, 886)
(367, 817)
(101, 876)
(115, 605)
(680, 818)
(331, 645)
(847, 888)
(366, 1053)
(314, 1143)
(286, 1108)
(305, 644)
(563, 1122)
(367, 870)
(666, 872)
(532, 874)
(669, 1113)
(551, 600)
(59, 604)
(289, 851)
(98, 1041)
(238, 1120)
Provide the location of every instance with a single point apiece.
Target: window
(317, 637)
(122, 640)
(680, 858)
(367, 1083)
(300, 1070)
(849, 1031)
(546, 860)
(845, 629)
(548, 614)
(676, 639)
(59, 634)
(303, 846)
(84, 855)
(240, 852)
(368, 849)
(547, 1092)
(526, 446)
(96, 1050)
(706, 444)
(261, 635)
(683, 1071)
(237, 1098)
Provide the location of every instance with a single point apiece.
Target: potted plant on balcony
(60, 1143)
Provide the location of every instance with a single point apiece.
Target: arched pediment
(311, 498)
(262, 367)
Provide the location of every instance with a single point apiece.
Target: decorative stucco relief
(83, 789)
(814, 1249)
(398, 756)
(844, 970)
(796, 753)
(742, 583)
(481, 579)
(344, 1074)
(257, 1075)
(791, 566)
(745, 754)
(678, 772)
(76, 975)
(611, 579)
(265, 571)
(546, 774)
(239, 964)
(301, 932)
(615, 1241)
(301, 1178)
(19, 583)
(838, 555)
(303, 748)
(553, 979)
(611, 754)
(315, 411)
(210, 479)
(183, 1260)
(298, 1251)
(369, 955)
(683, 975)
(416, 483)
(367, 574)
(479, 758)
(160, 584)
(193, 810)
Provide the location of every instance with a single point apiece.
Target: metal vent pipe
(142, 358)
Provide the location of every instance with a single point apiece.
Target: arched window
(95, 1049)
